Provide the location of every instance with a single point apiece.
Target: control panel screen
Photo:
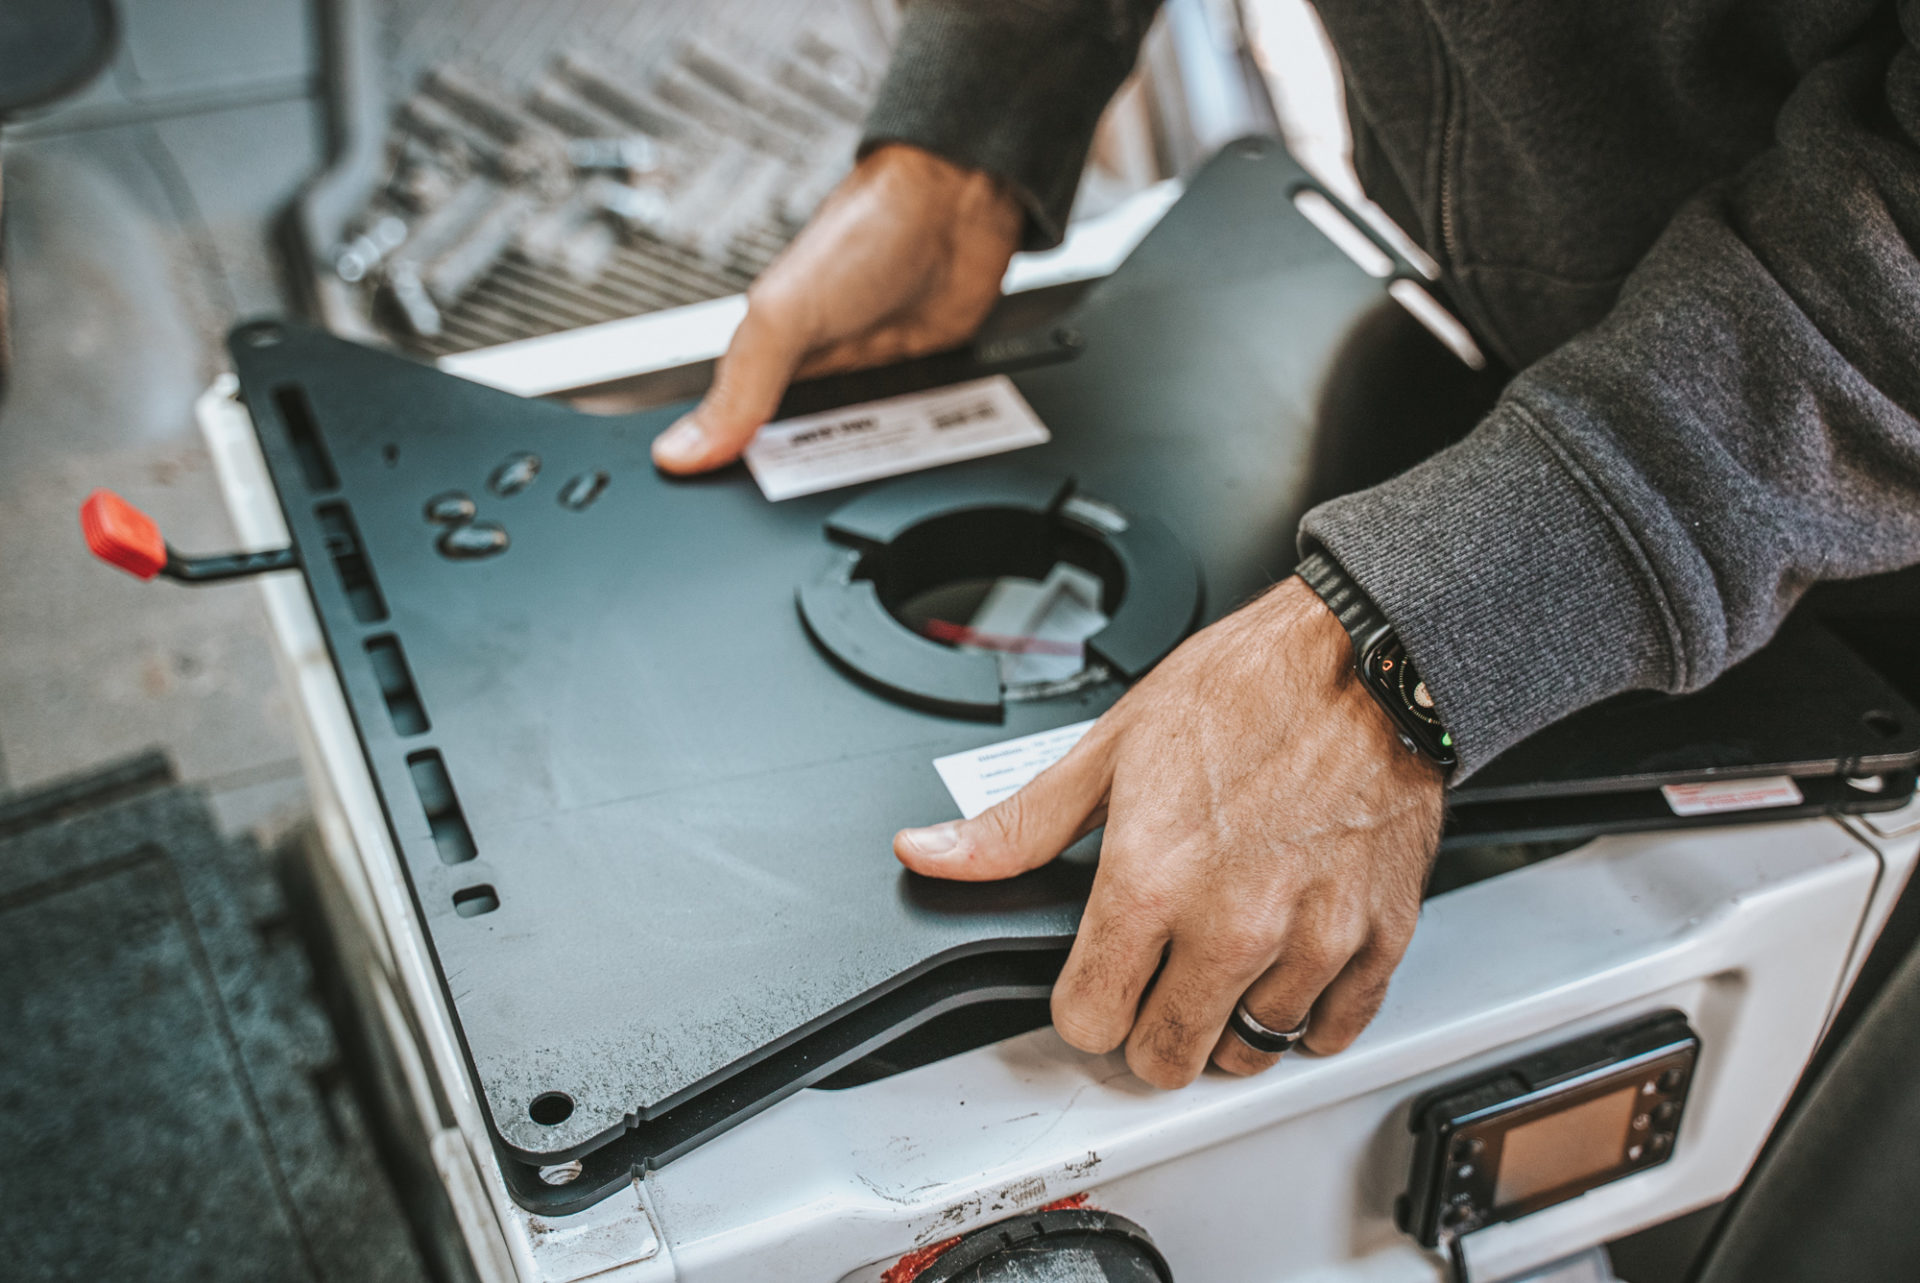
(1564, 1147)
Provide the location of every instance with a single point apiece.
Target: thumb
(747, 386)
(1059, 806)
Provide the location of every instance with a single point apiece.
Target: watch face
(1397, 682)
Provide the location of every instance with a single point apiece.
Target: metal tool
(121, 535)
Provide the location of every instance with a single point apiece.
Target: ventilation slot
(471, 902)
(442, 805)
(303, 430)
(350, 559)
(396, 683)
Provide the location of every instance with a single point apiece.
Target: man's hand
(904, 258)
(1266, 833)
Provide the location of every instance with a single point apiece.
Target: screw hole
(550, 1109)
(1881, 723)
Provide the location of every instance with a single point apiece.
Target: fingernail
(684, 440)
(940, 839)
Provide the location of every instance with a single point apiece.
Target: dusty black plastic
(843, 613)
(676, 810)
(1805, 704)
(949, 526)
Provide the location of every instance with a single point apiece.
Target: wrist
(1316, 648)
(1380, 660)
(974, 197)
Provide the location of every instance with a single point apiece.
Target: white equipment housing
(1755, 932)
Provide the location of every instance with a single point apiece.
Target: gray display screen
(1564, 1147)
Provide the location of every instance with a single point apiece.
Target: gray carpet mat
(171, 1102)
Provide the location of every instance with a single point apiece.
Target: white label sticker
(1732, 795)
(857, 443)
(980, 777)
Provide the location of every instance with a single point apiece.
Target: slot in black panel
(471, 902)
(442, 805)
(396, 683)
(316, 465)
(350, 560)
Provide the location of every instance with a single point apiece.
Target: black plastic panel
(646, 820)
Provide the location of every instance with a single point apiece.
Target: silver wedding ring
(1262, 1039)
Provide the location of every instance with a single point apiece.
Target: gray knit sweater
(1691, 224)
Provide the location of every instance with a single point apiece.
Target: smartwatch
(1380, 660)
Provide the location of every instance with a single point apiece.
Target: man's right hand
(904, 258)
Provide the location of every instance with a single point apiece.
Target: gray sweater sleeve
(1012, 87)
(1649, 500)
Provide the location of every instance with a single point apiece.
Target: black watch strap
(1379, 659)
(1353, 608)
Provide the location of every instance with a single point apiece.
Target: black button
(1660, 1142)
(1467, 1147)
(1666, 1111)
(1671, 1080)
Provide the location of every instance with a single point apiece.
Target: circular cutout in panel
(956, 593)
(551, 1108)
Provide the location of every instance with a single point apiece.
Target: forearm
(1012, 87)
(1648, 501)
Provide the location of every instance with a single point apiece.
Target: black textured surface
(647, 821)
(950, 527)
(1800, 706)
(170, 1106)
(631, 720)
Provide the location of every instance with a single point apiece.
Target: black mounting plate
(645, 820)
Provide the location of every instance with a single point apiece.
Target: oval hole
(471, 902)
(514, 474)
(582, 490)
(1881, 723)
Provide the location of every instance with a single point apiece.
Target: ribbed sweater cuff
(1012, 89)
(1509, 578)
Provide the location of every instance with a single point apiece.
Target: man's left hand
(1267, 835)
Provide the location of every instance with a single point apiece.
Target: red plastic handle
(122, 535)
